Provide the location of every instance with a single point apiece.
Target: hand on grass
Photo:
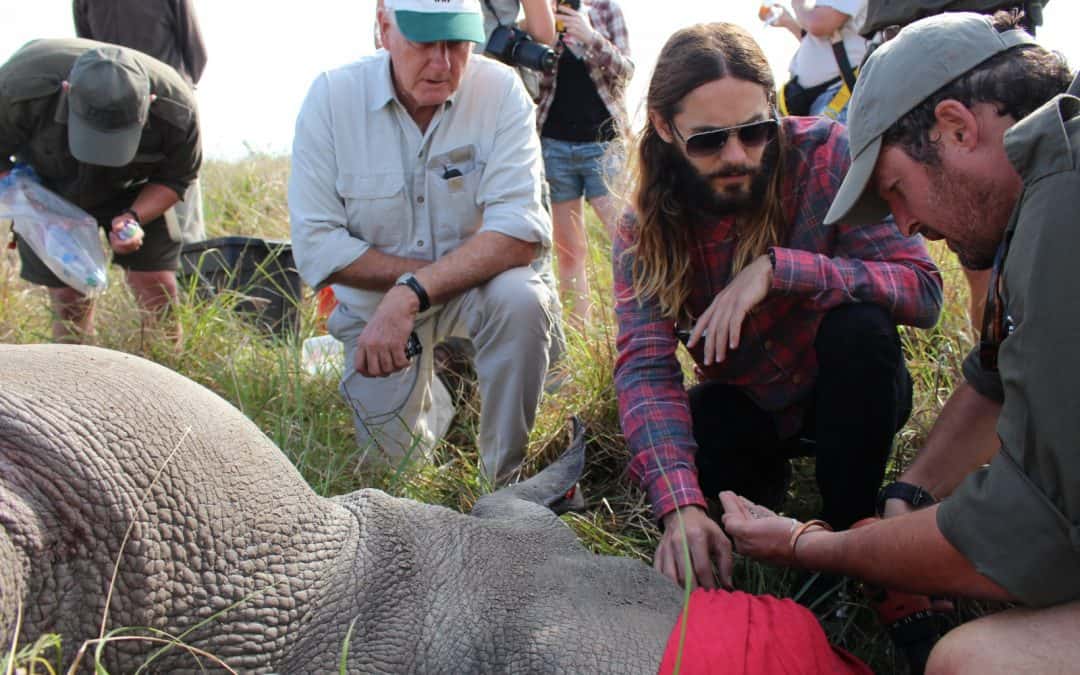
(380, 349)
(721, 324)
(706, 544)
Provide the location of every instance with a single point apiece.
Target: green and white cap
(437, 20)
(924, 57)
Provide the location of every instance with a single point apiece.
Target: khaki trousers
(512, 322)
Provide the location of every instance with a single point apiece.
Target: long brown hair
(661, 248)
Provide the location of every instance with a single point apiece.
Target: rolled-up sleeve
(322, 243)
(511, 187)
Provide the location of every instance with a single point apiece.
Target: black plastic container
(262, 271)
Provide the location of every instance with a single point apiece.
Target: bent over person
(981, 150)
(415, 190)
(115, 132)
(791, 323)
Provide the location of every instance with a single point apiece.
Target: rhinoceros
(132, 495)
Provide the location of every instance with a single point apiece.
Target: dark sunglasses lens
(707, 143)
(757, 134)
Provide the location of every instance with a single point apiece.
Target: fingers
(734, 504)
(722, 554)
(701, 560)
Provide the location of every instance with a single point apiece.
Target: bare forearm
(818, 21)
(539, 21)
(907, 553)
(375, 271)
(153, 200)
(963, 439)
(483, 256)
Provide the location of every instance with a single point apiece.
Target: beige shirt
(364, 175)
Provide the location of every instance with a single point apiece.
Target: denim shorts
(576, 169)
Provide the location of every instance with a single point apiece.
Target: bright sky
(264, 55)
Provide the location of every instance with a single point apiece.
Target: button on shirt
(365, 176)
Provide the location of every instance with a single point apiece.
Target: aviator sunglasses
(751, 135)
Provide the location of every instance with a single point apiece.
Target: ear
(661, 126)
(956, 124)
(383, 18)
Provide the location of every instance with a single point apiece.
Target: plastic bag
(65, 237)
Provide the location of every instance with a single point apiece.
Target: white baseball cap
(437, 20)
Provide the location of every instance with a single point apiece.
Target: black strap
(493, 12)
(846, 71)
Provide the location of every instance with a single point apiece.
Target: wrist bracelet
(133, 214)
(803, 529)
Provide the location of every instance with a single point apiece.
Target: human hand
(705, 542)
(125, 234)
(577, 25)
(757, 531)
(380, 349)
(721, 324)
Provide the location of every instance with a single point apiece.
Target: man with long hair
(982, 149)
(791, 323)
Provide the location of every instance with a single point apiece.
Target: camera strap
(495, 14)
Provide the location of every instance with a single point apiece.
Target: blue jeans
(576, 169)
(820, 106)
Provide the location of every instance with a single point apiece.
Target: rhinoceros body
(111, 463)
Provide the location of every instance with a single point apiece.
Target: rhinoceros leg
(547, 489)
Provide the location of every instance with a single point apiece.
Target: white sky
(263, 55)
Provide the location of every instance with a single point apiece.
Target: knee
(857, 332)
(960, 651)
(518, 298)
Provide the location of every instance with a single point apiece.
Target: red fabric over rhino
(736, 633)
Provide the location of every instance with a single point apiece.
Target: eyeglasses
(751, 135)
(997, 325)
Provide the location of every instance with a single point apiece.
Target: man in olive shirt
(981, 149)
(116, 133)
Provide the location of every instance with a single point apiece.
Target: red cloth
(736, 633)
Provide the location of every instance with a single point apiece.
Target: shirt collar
(1039, 144)
(383, 92)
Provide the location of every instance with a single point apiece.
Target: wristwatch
(912, 494)
(409, 279)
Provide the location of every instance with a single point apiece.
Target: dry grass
(310, 422)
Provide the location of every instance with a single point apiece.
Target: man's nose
(907, 225)
(440, 56)
(733, 151)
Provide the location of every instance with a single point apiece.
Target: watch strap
(413, 283)
(134, 216)
(912, 494)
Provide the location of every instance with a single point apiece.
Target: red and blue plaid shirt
(819, 268)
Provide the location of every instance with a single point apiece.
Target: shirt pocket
(375, 208)
(456, 214)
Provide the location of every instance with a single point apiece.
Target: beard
(694, 191)
(973, 213)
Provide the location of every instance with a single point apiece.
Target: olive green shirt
(33, 126)
(1018, 520)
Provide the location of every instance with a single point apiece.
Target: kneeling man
(979, 148)
(416, 192)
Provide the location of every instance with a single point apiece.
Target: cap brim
(104, 148)
(857, 203)
(435, 27)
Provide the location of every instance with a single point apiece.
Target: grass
(308, 419)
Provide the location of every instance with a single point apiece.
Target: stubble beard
(976, 211)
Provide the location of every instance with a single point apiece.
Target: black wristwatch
(409, 279)
(912, 494)
(134, 216)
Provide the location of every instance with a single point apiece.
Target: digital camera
(514, 47)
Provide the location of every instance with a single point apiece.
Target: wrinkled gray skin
(84, 432)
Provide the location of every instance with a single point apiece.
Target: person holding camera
(824, 67)
(982, 149)
(581, 116)
(792, 324)
(419, 200)
(115, 132)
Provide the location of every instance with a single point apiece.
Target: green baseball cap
(108, 105)
(437, 20)
(902, 73)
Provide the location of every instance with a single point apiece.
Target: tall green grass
(307, 418)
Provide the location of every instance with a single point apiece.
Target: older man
(416, 192)
(980, 149)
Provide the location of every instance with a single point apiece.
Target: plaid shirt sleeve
(608, 57)
(653, 406)
(870, 263)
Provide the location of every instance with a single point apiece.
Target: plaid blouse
(819, 268)
(607, 60)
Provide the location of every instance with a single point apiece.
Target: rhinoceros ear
(555, 487)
